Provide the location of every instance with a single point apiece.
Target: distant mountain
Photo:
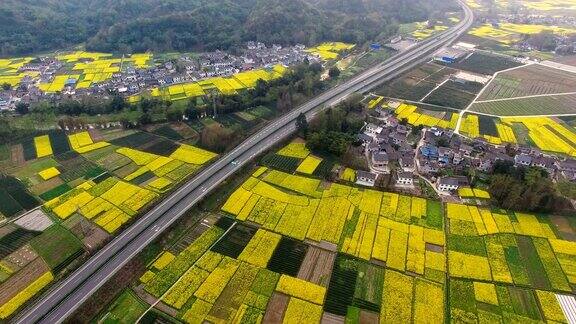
(29, 26)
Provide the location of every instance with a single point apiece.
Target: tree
(216, 138)
(174, 115)
(6, 86)
(145, 119)
(22, 108)
(117, 104)
(191, 111)
(417, 129)
(302, 124)
(334, 72)
(443, 142)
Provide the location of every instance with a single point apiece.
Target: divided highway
(66, 296)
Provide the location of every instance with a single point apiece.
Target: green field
(548, 105)
(125, 309)
(57, 246)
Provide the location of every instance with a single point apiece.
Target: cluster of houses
(131, 80)
(441, 157)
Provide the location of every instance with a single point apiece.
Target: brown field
(434, 248)
(569, 60)
(184, 130)
(317, 266)
(96, 135)
(22, 279)
(150, 300)
(367, 317)
(276, 308)
(328, 318)
(563, 226)
(7, 229)
(113, 161)
(17, 154)
(529, 80)
(42, 187)
(91, 235)
(125, 170)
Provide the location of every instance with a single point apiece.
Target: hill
(171, 25)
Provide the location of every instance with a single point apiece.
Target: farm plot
(354, 285)
(22, 286)
(484, 63)
(110, 203)
(58, 247)
(470, 125)
(127, 308)
(547, 134)
(415, 116)
(415, 84)
(76, 167)
(359, 222)
(453, 94)
(521, 249)
(13, 238)
(281, 162)
(296, 149)
(82, 143)
(329, 51)
(543, 105)
(510, 33)
(533, 79)
(229, 85)
(477, 301)
(206, 285)
(14, 197)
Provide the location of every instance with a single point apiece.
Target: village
(440, 157)
(131, 80)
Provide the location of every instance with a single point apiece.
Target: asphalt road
(67, 295)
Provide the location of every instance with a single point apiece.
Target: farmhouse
(523, 160)
(446, 184)
(406, 162)
(380, 161)
(404, 178)
(365, 178)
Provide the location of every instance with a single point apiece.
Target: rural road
(66, 296)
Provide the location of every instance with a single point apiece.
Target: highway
(66, 296)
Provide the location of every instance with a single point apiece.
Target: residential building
(380, 161)
(446, 184)
(523, 160)
(404, 178)
(365, 178)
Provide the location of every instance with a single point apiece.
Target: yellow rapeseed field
(43, 146)
(49, 173)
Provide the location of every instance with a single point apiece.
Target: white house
(404, 178)
(447, 184)
(373, 129)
